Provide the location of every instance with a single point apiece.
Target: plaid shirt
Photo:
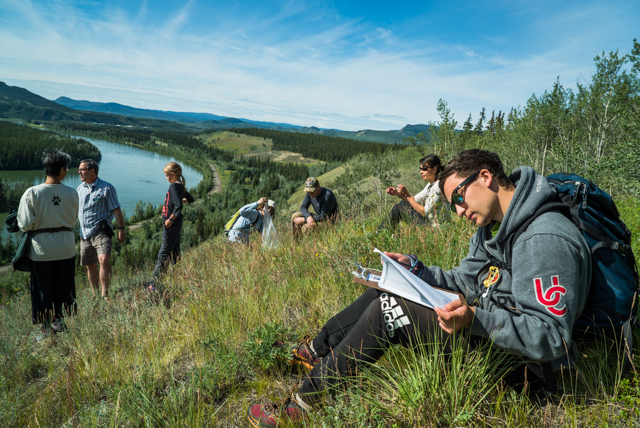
(97, 201)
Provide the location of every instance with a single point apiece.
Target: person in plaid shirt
(98, 206)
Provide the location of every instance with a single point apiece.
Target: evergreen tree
(480, 125)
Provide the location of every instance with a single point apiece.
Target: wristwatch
(120, 228)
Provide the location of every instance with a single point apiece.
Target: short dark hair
(53, 161)
(432, 161)
(471, 161)
(91, 164)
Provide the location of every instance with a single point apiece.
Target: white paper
(398, 280)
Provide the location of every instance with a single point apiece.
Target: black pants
(402, 211)
(170, 248)
(53, 289)
(363, 331)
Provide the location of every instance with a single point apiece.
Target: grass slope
(201, 354)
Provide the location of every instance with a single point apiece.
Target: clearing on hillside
(247, 145)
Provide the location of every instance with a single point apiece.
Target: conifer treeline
(314, 146)
(114, 133)
(21, 147)
(289, 170)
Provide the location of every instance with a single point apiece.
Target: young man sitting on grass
(528, 312)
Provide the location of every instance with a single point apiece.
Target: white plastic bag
(270, 238)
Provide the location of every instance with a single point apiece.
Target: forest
(314, 146)
(21, 147)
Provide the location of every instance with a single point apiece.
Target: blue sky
(348, 65)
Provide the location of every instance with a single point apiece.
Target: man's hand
(298, 220)
(400, 258)
(168, 223)
(262, 201)
(310, 221)
(455, 316)
(121, 236)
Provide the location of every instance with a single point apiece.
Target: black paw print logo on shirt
(56, 200)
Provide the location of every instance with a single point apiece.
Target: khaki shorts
(98, 244)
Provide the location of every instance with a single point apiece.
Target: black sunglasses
(456, 198)
(425, 168)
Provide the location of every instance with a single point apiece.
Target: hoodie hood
(532, 190)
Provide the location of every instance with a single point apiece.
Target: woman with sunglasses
(425, 208)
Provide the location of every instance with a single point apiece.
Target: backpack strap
(246, 228)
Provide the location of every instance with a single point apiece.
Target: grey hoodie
(529, 312)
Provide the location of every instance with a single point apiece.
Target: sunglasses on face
(425, 168)
(456, 198)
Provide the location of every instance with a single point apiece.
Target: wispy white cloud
(176, 22)
(288, 65)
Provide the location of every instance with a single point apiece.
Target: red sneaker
(270, 415)
(301, 354)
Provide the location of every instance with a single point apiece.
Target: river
(135, 173)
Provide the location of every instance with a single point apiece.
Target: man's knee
(104, 260)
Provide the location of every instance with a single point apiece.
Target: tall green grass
(199, 353)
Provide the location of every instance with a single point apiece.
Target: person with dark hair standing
(172, 220)
(98, 206)
(528, 310)
(425, 208)
(49, 211)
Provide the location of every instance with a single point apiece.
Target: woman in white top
(425, 208)
(50, 211)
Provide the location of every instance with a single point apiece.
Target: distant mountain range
(203, 118)
(19, 103)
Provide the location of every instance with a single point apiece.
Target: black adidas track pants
(363, 331)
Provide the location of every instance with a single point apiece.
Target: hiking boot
(302, 354)
(272, 415)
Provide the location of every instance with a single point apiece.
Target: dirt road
(217, 182)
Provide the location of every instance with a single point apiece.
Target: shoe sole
(296, 361)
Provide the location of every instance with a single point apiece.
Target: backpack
(11, 222)
(231, 222)
(612, 302)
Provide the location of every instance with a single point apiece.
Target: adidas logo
(392, 313)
